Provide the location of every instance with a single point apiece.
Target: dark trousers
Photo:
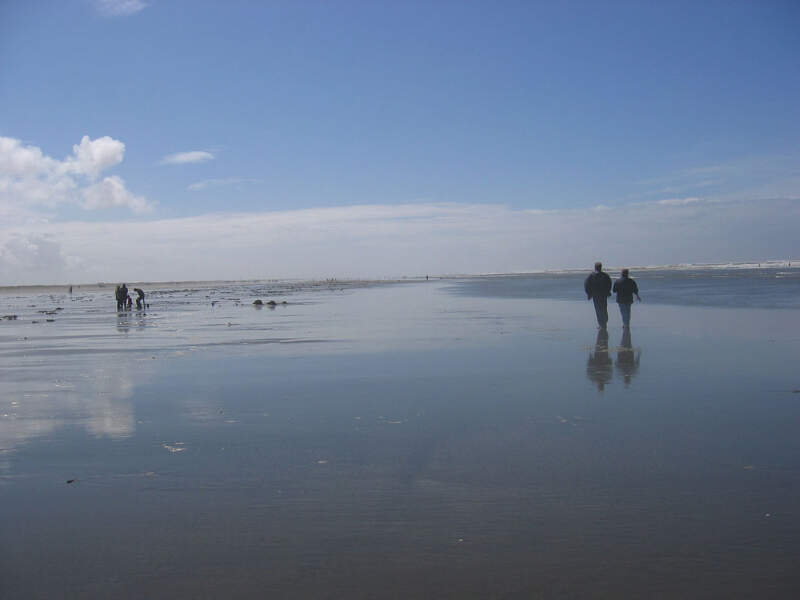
(601, 309)
(625, 311)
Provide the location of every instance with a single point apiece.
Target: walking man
(598, 289)
(626, 289)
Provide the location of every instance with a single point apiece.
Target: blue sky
(533, 116)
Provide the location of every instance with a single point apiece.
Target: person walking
(625, 288)
(598, 288)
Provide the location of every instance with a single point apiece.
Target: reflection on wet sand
(95, 395)
(128, 319)
(599, 366)
(627, 359)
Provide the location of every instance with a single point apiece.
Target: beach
(454, 438)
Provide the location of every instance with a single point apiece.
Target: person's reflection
(627, 359)
(599, 366)
(123, 322)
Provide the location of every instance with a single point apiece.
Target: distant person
(122, 296)
(599, 366)
(598, 289)
(626, 289)
(139, 298)
(128, 303)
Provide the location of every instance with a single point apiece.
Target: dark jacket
(625, 288)
(597, 285)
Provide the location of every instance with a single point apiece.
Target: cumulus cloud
(209, 183)
(91, 157)
(111, 192)
(17, 160)
(392, 240)
(182, 158)
(119, 8)
(31, 181)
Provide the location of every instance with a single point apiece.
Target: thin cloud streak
(751, 177)
(119, 8)
(210, 183)
(183, 158)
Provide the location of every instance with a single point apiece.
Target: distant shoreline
(156, 285)
(768, 264)
(772, 264)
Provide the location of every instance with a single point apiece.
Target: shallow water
(393, 442)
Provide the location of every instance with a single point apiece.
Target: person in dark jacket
(139, 298)
(626, 289)
(122, 296)
(598, 289)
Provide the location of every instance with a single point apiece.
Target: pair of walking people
(598, 288)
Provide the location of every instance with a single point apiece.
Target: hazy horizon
(399, 278)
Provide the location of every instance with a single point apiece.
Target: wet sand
(393, 442)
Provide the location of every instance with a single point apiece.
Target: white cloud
(119, 8)
(209, 183)
(91, 157)
(392, 240)
(17, 160)
(182, 158)
(111, 192)
(31, 253)
(31, 181)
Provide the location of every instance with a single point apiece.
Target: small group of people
(124, 300)
(598, 288)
